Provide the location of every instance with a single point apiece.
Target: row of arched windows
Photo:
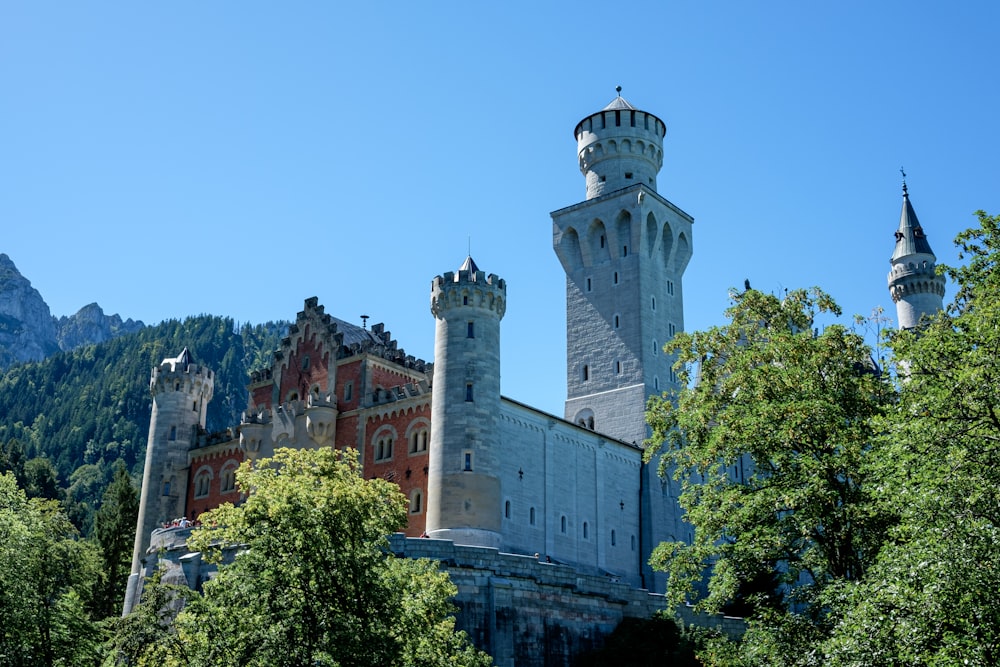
(417, 440)
(227, 479)
(599, 249)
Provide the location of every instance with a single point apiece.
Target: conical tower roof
(469, 265)
(910, 237)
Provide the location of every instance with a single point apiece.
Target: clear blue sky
(234, 158)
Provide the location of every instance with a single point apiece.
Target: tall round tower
(181, 392)
(914, 284)
(619, 146)
(463, 477)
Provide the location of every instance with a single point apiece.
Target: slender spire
(910, 237)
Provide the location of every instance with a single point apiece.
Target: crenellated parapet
(181, 374)
(619, 146)
(468, 288)
(910, 279)
(293, 422)
(400, 393)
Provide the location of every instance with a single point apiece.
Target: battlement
(470, 289)
(345, 340)
(400, 392)
(205, 439)
(182, 374)
(619, 146)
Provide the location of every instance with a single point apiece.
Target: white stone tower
(181, 392)
(913, 281)
(463, 477)
(624, 250)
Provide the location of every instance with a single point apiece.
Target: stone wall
(530, 613)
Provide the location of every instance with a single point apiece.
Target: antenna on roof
(364, 322)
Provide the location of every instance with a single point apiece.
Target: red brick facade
(382, 401)
(212, 479)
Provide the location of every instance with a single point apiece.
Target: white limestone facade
(569, 494)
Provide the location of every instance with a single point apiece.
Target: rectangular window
(467, 462)
(348, 391)
(471, 330)
(468, 392)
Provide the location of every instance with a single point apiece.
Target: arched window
(416, 501)
(203, 482)
(383, 448)
(418, 441)
(227, 477)
(382, 443)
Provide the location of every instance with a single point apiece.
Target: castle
(546, 523)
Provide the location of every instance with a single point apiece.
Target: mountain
(90, 325)
(29, 332)
(85, 409)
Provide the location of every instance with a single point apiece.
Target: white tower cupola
(619, 146)
(914, 284)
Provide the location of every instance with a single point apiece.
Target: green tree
(115, 533)
(929, 599)
(45, 578)
(314, 584)
(792, 408)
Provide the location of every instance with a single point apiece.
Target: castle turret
(619, 146)
(914, 284)
(624, 250)
(463, 478)
(181, 391)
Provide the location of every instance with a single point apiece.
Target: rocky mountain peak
(90, 325)
(29, 332)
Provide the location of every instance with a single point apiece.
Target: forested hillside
(66, 420)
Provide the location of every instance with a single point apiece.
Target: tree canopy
(864, 528)
(46, 575)
(313, 583)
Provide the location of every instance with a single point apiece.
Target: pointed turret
(463, 474)
(914, 284)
